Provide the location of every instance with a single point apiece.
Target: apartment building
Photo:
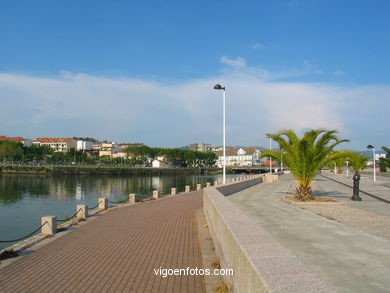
(56, 144)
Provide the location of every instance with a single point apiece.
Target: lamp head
(219, 87)
(370, 147)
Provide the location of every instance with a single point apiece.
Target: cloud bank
(161, 114)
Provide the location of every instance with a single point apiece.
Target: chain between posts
(67, 219)
(32, 233)
(92, 208)
(118, 202)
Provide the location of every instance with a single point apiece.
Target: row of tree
(186, 157)
(306, 156)
(17, 152)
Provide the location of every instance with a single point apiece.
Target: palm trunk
(304, 193)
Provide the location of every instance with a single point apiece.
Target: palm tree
(340, 161)
(305, 157)
(358, 161)
(384, 163)
(332, 166)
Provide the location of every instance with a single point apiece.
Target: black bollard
(356, 179)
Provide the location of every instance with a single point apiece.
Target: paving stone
(117, 252)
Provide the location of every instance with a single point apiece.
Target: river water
(24, 199)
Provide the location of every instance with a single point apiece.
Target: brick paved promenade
(117, 252)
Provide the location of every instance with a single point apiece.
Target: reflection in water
(24, 199)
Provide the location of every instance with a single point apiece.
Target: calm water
(24, 199)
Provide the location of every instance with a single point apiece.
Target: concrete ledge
(228, 189)
(260, 262)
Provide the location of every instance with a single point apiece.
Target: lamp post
(281, 161)
(270, 158)
(219, 87)
(371, 147)
(347, 167)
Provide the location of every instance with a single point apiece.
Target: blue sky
(144, 70)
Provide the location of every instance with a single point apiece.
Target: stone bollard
(198, 187)
(173, 191)
(215, 183)
(187, 189)
(103, 203)
(208, 184)
(155, 194)
(132, 198)
(82, 212)
(51, 227)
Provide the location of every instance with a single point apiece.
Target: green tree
(384, 163)
(306, 156)
(11, 150)
(357, 161)
(37, 153)
(340, 161)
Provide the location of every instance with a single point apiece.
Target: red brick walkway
(117, 252)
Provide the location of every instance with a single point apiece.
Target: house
(105, 149)
(239, 157)
(159, 164)
(56, 144)
(201, 147)
(119, 153)
(24, 141)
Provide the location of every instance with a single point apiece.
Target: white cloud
(339, 73)
(311, 68)
(258, 46)
(125, 109)
(239, 62)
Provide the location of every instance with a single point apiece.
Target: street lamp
(371, 147)
(281, 157)
(219, 87)
(270, 158)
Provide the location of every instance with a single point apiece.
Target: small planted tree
(340, 161)
(332, 165)
(305, 156)
(384, 163)
(357, 161)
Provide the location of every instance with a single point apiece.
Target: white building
(239, 157)
(83, 145)
(56, 144)
(201, 147)
(159, 164)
